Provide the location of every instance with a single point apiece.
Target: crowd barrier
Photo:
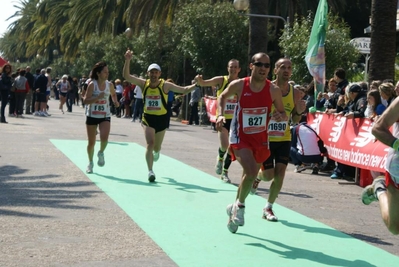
(348, 141)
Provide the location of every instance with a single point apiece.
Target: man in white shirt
(138, 105)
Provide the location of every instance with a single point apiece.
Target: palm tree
(383, 39)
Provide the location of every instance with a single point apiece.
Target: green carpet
(184, 213)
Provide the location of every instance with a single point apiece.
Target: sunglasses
(260, 64)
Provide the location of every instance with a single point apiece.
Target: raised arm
(168, 86)
(218, 80)
(126, 71)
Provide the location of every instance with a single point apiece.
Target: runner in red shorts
(386, 190)
(249, 142)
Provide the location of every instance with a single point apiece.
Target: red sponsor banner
(211, 105)
(350, 141)
(3, 62)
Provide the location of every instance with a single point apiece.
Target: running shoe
(315, 169)
(90, 168)
(101, 160)
(300, 168)
(230, 224)
(219, 165)
(369, 192)
(156, 155)
(151, 176)
(268, 214)
(254, 187)
(225, 178)
(236, 214)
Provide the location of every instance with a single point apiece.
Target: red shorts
(261, 153)
(389, 181)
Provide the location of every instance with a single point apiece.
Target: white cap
(154, 66)
(64, 76)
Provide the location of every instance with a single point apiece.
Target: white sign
(362, 44)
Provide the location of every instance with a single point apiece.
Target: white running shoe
(225, 178)
(36, 113)
(300, 168)
(101, 160)
(151, 176)
(230, 224)
(268, 214)
(156, 156)
(90, 168)
(236, 214)
(219, 165)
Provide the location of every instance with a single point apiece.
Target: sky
(7, 10)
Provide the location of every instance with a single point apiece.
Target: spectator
(195, 98)
(139, 104)
(374, 105)
(29, 95)
(119, 95)
(6, 82)
(171, 98)
(387, 91)
(21, 88)
(306, 147)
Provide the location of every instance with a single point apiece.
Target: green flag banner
(315, 55)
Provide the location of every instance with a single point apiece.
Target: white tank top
(392, 165)
(99, 109)
(64, 87)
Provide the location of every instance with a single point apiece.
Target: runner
(98, 111)
(155, 117)
(248, 134)
(63, 86)
(222, 163)
(280, 137)
(386, 190)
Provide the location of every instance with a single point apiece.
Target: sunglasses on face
(260, 64)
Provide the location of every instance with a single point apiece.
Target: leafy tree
(210, 37)
(339, 52)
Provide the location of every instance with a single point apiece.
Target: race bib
(230, 106)
(254, 120)
(153, 102)
(99, 108)
(277, 128)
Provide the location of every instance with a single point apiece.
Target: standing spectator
(31, 79)
(195, 98)
(171, 98)
(81, 86)
(5, 90)
(355, 109)
(21, 88)
(71, 95)
(126, 99)
(387, 91)
(37, 73)
(12, 101)
(139, 104)
(40, 86)
(119, 95)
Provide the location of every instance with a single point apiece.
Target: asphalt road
(51, 214)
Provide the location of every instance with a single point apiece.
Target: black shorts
(158, 122)
(227, 124)
(96, 121)
(63, 94)
(41, 97)
(279, 153)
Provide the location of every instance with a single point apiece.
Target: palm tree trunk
(258, 38)
(383, 40)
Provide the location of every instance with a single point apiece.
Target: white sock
(239, 203)
(269, 205)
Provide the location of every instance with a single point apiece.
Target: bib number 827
(255, 121)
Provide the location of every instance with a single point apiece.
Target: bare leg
(389, 205)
